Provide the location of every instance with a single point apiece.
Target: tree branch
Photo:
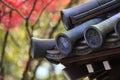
(33, 77)
(54, 28)
(3, 54)
(41, 14)
(30, 36)
(12, 8)
(14, 41)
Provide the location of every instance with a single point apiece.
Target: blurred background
(20, 20)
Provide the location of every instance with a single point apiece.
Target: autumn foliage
(20, 20)
(13, 12)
